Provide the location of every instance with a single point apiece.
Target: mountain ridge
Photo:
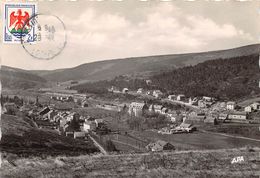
(145, 65)
(134, 66)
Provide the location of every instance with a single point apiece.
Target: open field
(198, 140)
(244, 130)
(207, 163)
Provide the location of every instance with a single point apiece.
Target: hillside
(232, 78)
(141, 66)
(14, 78)
(193, 164)
(21, 137)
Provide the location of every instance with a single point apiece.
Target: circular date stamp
(49, 38)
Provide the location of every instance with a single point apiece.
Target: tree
(75, 123)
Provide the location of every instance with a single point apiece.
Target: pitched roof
(231, 103)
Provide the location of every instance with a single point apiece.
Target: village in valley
(153, 122)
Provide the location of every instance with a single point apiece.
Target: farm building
(160, 145)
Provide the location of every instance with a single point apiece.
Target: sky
(102, 30)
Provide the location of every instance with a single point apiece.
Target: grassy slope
(18, 78)
(20, 137)
(213, 163)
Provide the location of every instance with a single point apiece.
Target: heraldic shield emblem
(16, 21)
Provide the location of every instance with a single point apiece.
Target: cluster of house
(224, 112)
(227, 112)
(137, 109)
(252, 107)
(235, 114)
(66, 122)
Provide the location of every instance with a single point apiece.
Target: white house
(231, 105)
(255, 106)
(137, 109)
(248, 109)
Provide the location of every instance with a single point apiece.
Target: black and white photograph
(130, 88)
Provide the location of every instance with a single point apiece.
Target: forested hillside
(222, 78)
(231, 78)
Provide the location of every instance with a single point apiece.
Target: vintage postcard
(130, 88)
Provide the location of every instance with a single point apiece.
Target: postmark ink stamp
(15, 22)
(50, 39)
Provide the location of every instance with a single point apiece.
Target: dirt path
(232, 136)
(98, 145)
